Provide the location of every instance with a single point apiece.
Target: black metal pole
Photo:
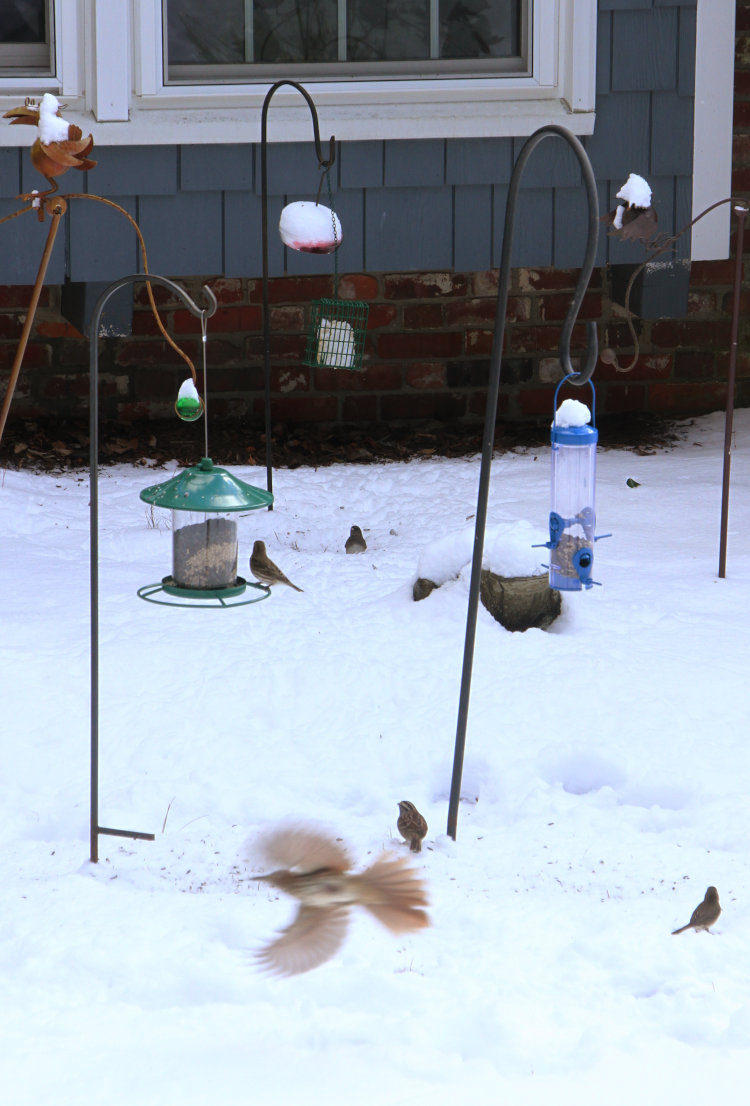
(740, 211)
(488, 438)
(324, 163)
(95, 828)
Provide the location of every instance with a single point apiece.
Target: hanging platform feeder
(204, 500)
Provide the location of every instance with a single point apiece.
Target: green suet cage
(336, 334)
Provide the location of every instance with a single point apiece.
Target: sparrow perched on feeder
(355, 543)
(59, 146)
(411, 825)
(315, 870)
(705, 914)
(264, 570)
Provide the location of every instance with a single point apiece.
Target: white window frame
(560, 88)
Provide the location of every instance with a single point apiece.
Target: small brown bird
(355, 543)
(411, 825)
(60, 145)
(316, 872)
(263, 568)
(705, 914)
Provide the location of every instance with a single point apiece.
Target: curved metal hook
(488, 438)
(152, 278)
(323, 162)
(592, 352)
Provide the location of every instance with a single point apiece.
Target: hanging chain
(335, 236)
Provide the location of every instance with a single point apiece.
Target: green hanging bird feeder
(204, 501)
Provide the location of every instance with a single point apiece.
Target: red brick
(424, 405)
(685, 399)
(430, 376)
(163, 297)
(35, 356)
(381, 314)
(534, 401)
(56, 328)
(542, 280)
(146, 353)
(298, 289)
(422, 286)
(710, 273)
(619, 398)
(144, 324)
(288, 318)
(302, 408)
(72, 385)
(701, 303)
(479, 341)
(741, 113)
(19, 295)
(424, 315)
(741, 82)
(283, 347)
(478, 404)
(12, 325)
(373, 377)
(226, 290)
(692, 365)
(427, 344)
(290, 380)
(485, 283)
(677, 333)
(358, 286)
(226, 319)
(359, 409)
(555, 308)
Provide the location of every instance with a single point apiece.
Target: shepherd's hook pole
(488, 440)
(324, 163)
(202, 313)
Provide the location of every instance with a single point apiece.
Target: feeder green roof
(206, 488)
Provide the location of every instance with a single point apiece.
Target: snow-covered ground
(606, 785)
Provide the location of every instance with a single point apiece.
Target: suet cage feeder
(204, 501)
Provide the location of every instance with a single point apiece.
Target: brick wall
(428, 347)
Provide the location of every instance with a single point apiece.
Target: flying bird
(264, 570)
(355, 543)
(314, 869)
(411, 825)
(705, 914)
(59, 145)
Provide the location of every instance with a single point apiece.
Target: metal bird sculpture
(59, 145)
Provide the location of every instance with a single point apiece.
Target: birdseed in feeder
(204, 554)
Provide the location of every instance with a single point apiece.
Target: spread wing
(305, 849)
(313, 937)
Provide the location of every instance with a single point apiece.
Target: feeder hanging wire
(337, 331)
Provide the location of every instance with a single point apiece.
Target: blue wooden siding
(404, 205)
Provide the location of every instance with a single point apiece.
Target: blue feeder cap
(206, 488)
(574, 435)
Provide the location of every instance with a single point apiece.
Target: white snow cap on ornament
(51, 127)
(188, 390)
(308, 227)
(572, 412)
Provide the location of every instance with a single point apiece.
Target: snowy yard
(606, 785)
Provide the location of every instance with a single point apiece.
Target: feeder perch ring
(169, 595)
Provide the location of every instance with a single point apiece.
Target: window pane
(388, 30)
(200, 32)
(23, 21)
(243, 36)
(478, 28)
(295, 30)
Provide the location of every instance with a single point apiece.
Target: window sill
(186, 122)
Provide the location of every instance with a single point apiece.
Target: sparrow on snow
(411, 825)
(355, 543)
(705, 914)
(263, 568)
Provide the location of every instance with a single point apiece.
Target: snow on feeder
(310, 228)
(188, 405)
(572, 515)
(337, 329)
(204, 501)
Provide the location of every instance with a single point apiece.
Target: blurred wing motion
(313, 868)
(312, 938)
(304, 848)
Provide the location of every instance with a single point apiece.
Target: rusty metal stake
(741, 212)
(55, 209)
